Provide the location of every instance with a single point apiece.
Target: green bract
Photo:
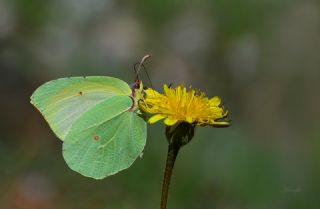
(96, 118)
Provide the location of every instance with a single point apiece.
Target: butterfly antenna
(148, 76)
(140, 66)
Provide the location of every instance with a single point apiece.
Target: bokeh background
(261, 56)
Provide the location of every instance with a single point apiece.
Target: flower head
(183, 105)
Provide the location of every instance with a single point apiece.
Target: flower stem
(173, 150)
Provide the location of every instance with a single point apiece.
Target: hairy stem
(171, 158)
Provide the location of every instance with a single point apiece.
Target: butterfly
(97, 118)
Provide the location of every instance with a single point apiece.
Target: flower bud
(180, 134)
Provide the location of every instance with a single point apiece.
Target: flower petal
(152, 93)
(155, 118)
(166, 89)
(222, 123)
(215, 101)
(170, 121)
(189, 119)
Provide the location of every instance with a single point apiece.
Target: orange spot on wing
(96, 137)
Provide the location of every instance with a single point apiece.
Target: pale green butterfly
(98, 120)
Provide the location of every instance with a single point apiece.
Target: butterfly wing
(63, 101)
(106, 139)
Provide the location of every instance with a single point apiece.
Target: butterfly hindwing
(106, 139)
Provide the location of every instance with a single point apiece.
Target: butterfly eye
(137, 84)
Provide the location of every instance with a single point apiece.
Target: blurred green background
(261, 56)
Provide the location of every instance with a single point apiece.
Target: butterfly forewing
(63, 101)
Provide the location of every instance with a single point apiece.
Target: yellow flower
(183, 105)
